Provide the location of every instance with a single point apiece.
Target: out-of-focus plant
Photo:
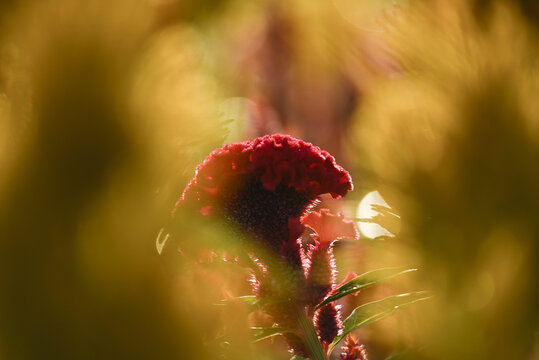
(80, 168)
(453, 138)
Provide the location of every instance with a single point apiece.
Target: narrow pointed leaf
(377, 310)
(250, 300)
(261, 333)
(312, 341)
(364, 281)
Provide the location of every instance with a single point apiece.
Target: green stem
(311, 339)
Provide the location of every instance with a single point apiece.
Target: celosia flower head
(264, 187)
(260, 185)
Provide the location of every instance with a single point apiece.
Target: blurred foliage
(454, 139)
(79, 275)
(107, 107)
(528, 8)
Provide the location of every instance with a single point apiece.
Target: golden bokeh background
(106, 108)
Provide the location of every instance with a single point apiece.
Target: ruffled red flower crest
(260, 185)
(272, 160)
(282, 159)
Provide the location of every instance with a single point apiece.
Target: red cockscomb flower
(259, 185)
(263, 187)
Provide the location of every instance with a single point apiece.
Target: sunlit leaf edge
(251, 302)
(261, 333)
(364, 281)
(366, 314)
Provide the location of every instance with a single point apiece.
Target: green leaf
(295, 357)
(364, 281)
(261, 333)
(250, 300)
(377, 310)
(312, 341)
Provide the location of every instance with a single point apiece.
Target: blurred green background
(107, 107)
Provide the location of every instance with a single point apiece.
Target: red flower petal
(330, 227)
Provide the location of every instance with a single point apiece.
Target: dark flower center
(264, 213)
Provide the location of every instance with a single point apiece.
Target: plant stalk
(311, 338)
